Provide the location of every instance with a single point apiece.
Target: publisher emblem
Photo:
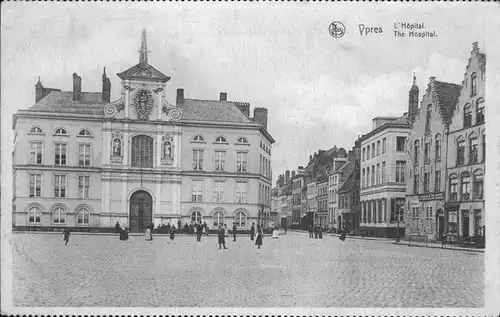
(336, 29)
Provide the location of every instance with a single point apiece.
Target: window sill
(85, 136)
(222, 143)
(33, 133)
(247, 144)
(199, 142)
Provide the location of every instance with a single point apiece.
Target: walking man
(260, 236)
(199, 231)
(179, 225)
(222, 237)
(66, 235)
(310, 229)
(252, 231)
(234, 231)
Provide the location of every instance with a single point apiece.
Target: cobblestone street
(96, 270)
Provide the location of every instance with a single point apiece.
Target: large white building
(84, 162)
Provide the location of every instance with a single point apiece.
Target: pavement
(292, 271)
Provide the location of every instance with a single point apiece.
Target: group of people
(315, 232)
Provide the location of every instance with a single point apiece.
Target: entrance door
(440, 226)
(465, 224)
(141, 210)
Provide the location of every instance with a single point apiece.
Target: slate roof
(212, 110)
(62, 102)
(349, 183)
(143, 71)
(447, 95)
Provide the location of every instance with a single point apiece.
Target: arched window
(240, 219)
(438, 147)
(34, 215)
(473, 148)
(480, 111)
(61, 131)
(242, 140)
(84, 132)
(83, 216)
(453, 188)
(218, 218)
(142, 151)
(460, 151)
(477, 185)
(59, 215)
(36, 130)
(428, 118)
(467, 115)
(473, 81)
(465, 186)
(416, 152)
(196, 216)
(220, 139)
(198, 138)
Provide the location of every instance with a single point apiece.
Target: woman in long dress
(275, 232)
(260, 236)
(148, 236)
(172, 233)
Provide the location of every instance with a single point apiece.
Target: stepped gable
(62, 102)
(212, 110)
(447, 95)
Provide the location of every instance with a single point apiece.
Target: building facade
(137, 160)
(383, 186)
(322, 198)
(466, 155)
(333, 187)
(299, 197)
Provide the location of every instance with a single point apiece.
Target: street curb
(437, 247)
(133, 234)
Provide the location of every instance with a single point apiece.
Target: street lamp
(399, 211)
(261, 214)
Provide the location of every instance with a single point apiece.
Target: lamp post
(399, 210)
(261, 214)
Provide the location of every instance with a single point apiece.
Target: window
(373, 150)
(198, 138)
(428, 213)
(241, 192)
(61, 131)
(83, 187)
(198, 160)
(378, 174)
(218, 218)
(416, 152)
(438, 147)
(473, 149)
(427, 180)
(363, 184)
(34, 215)
(36, 130)
(473, 80)
(83, 216)
(60, 186)
(368, 152)
(142, 151)
(220, 160)
(453, 188)
(415, 212)
(428, 118)
(465, 186)
(373, 176)
(478, 185)
(484, 147)
(480, 111)
(400, 143)
(240, 219)
(242, 140)
(35, 185)
(378, 148)
(84, 132)
(35, 153)
(367, 176)
(437, 181)
(59, 215)
(197, 191)
(415, 183)
(397, 208)
(461, 152)
(364, 153)
(384, 145)
(61, 154)
(196, 217)
(218, 191)
(400, 171)
(427, 151)
(220, 139)
(467, 115)
(84, 154)
(383, 172)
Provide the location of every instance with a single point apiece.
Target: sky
(320, 91)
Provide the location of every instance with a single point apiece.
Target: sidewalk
(405, 242)
(130, 234)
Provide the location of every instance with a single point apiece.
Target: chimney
(77, 87)
(106, 87)
(287, 176)
(413, 100)
(260, 116)
(180, 96)
(38, 91)
(223, 96)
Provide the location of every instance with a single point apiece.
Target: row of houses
(418, 174)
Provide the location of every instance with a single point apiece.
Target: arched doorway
(141, 210)
(440, 224)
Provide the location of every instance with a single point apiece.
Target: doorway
(440, 224)
(141, 210)
(465, 224)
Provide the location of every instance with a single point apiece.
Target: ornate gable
(144, 71)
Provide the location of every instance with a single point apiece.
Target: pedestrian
(179, 223)
(234, 231)
(285, 228)
(222, 237)
(321, 232)
(148, 236)
(172, 233)
(252, 231)
(310, 229)
(342, 234)
(199, 231)
(205, 226)
(260, 236)
(191, 229)
(275, 232)
(316, 230)
(66, 235)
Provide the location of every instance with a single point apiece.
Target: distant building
(333, 187)
(349, 193)
(322, 198)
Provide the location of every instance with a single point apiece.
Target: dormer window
(36, 130)
(198, 138)
(220, 139)
(61, 131)
(84, 132)
(242, 140)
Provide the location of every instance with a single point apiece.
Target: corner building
(92, 163)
